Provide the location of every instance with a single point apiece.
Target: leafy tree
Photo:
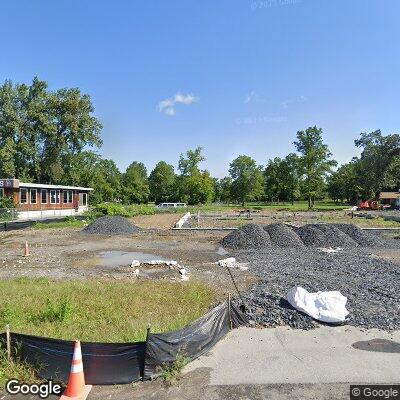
(291, 174)
(391, 179)
(342, 184)
(162, 181)
(378, 153)
(314, 162)
(41, 130)
(282, 178)
(90, 170)
(193, 185)
(224, 186)
(272, 180)
(247, 179)
(197, 188)
(135, 184)
(190, 165)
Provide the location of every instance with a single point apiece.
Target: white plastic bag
(324, 306)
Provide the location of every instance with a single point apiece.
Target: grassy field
(297, 206)
(378, 222)
(65, 223)
(102, 311)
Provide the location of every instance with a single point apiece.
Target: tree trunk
(309, 202)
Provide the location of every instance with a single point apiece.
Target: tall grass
(104, 310)
(14, 368)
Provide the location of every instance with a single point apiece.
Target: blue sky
(234, 76)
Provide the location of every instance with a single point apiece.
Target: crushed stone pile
(111, 225)
(324, 235)
(371, 284)
(249, 236)
(283, 235)
(311, 235)
(362, 237)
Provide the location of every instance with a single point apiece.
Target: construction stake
(8, 339)
(229, 311)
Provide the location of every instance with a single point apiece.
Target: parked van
(172, 205)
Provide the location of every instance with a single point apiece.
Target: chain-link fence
(8, 214)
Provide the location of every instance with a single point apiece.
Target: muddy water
(115, 258)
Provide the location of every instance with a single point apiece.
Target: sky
(233, 76)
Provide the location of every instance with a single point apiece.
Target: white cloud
(286, 103)
(167, 106)
(253, 97)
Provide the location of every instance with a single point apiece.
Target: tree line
(52, 137)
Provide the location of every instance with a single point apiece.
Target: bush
(128, 211)
(171, 372)
(56, 313)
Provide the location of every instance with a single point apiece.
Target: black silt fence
(120, 363)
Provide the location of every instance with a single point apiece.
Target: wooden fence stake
(229, 311)
(8, 338)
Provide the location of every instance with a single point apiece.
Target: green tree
(378, 153)
(90, 170)
(291, 173)
(247, 179)
(224, 189)
(190, 164)
(197, 188)
(342, 184)
(135, 184)
(391, 179)
(42, 129)
(272, 180)
(282, 179)
(193, 185)
(162, 182)
(315, 162)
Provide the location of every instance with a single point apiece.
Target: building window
(33, 196)
(67, 196)
(23, 194)
(54, 197)
(83, 199)
(44, 196)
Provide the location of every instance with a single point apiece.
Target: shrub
(60, 313)
(171, 372)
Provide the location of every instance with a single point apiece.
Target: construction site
(200, 200)
(267, 255)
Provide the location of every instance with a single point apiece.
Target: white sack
(323, 306)
(227, 262)
(232, 263)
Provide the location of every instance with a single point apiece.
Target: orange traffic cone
(26, 250)
(76, 388)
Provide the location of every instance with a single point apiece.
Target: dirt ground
(234, 219)
(69, 253)
(72, 254)
(157, 221)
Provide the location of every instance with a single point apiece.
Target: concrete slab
(287, 356)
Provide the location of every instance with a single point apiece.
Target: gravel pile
(324, 235)
(283, 235)
(371, 284)
(363, 238)
(247, 237)
(111, 225)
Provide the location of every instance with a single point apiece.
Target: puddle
(115, 258)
